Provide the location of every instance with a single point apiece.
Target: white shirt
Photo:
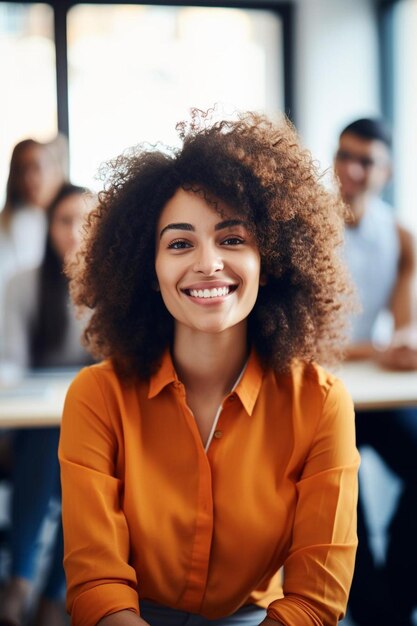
(21, 247)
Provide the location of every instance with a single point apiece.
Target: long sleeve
(319, 567)
(96, 535)
(21, 249)
(19, 310)
(148, 511)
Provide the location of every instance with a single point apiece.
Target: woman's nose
(208, 261)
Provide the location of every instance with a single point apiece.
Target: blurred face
(66, 225)
(207, 265)
(33, 175)
(363, 166)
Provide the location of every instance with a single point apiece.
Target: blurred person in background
(380, 256)
(41, 331)
(36, 173)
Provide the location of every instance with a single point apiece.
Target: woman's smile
(209, 293)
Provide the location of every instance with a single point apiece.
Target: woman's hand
(123, 618)
(398, 358)
(401, 355)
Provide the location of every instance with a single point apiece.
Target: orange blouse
(148, 513)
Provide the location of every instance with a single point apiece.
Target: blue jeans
(157, 615)
(36, 485)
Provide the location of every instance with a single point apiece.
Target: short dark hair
(258, 168)
(370, 128)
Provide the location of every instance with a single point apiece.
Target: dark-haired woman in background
(41, 331)
(35, 176)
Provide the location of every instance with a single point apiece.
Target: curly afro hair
(258, 168)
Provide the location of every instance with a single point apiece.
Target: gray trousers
(157, 615)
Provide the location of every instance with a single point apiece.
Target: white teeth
(209, 293)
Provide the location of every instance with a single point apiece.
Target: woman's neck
(210, 361)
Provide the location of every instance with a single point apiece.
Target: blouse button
(232, 397)
(218, 434)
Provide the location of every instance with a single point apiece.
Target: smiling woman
(209, 450)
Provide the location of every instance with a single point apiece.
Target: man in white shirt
(380, 256)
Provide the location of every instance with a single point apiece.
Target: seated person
(380, 256)
(209, 449)
(41, 331)
(36, 173)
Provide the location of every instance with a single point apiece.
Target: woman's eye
(179, 244)
(232, 241)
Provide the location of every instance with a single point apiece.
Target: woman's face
(66, 225)
(38, 176)
(207, 265)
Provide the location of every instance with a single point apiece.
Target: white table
(35, 401)
(38, 399)
(372, 387)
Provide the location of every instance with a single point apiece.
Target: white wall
(336, 70)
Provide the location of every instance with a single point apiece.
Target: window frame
(284, 10)
(385, 17)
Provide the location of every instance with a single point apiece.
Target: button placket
(219, 431)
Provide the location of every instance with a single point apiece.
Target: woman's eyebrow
(179, 226)
(190, 227)
(230, 223)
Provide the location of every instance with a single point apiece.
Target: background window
(134, 71)
(27, 74)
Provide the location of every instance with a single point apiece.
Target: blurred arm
(401, 304)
